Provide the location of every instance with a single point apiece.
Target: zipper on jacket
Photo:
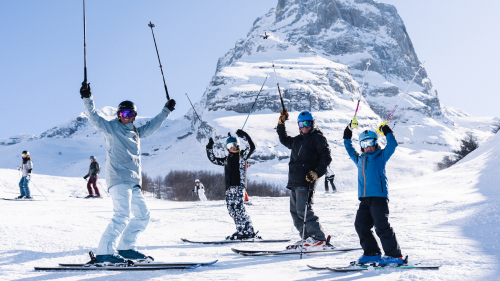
(382, 184)
(364, 179)
(300, 149)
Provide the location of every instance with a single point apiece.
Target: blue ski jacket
(372, 180)
(123, 150)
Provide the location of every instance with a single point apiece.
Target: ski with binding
(290, 252)
(117, 268)
(139, 263)
(253, 240)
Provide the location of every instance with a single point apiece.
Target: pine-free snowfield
(450, 218)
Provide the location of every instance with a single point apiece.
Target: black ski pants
(298, 198)
(330, 179)
(374, 211)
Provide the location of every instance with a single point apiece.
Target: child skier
(329, 177)
(94, 169)
(374, 196)
(235, 170)
(309, 157)
(26, 168)
(199, 189)
(123, 176)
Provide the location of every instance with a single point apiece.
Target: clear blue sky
(41, 53)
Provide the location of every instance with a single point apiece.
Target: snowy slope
(448, 218)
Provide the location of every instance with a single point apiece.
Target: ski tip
(210, 263)
(193, 266)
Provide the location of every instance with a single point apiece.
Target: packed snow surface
(449, 218)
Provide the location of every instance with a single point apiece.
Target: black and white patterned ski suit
(235, 191)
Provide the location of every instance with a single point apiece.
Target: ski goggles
(232, 145)
(127, 113)
(367, 143)
(306, 124)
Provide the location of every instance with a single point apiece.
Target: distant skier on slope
(123, 176)
(94, 169)
(374, 196)
(25, 168)
(309, 158)
(329, 177)
(199, 189)
(235, 170)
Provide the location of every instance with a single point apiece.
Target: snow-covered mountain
(320, 50)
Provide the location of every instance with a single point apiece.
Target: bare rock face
(320, 51)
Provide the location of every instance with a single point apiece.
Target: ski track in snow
(449, 218)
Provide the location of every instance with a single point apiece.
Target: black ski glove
(170, 104)
(311, 177)
(85, 177)
(347, 133)
(386, 130)
(210, 144)
(85, 90)
(240, 133)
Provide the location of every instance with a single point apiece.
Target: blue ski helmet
(232, 141)
(305, 116)
(93, 157)
(365, 137)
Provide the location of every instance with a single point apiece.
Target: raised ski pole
(84, 48)
(254, 103)
(161, 68)
(266, 36)
(390, 115)
(197, 115)
(304, 226)
(354, 122)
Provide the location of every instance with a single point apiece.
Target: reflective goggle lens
(127, 113)
(306, 124)
(231, 145)
(367, 143)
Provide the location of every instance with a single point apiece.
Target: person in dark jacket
(329, 177)
(309, 159)
(374, 196)
(235, 173)
(94, 169)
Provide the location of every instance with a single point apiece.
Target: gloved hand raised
(85, 177)
(170, 104)
(283, 117)
(386, 129)
(311, 176)
(210, 144)
(85, 91)
(347, 133)
(240, 133)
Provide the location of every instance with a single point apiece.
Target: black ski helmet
(26, 152)
(126, 105)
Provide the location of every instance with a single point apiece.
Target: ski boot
(369, 259)
(392, 261)
(90, 196)
(20, 197)
(97, 196)
(135, 255)
(105, 260)
(28, 198)
(243, 236)
(294, 246)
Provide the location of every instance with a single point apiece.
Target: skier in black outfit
(309, 158)
(235, 170)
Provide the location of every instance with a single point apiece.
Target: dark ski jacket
(235, 164)
(310, 152)
(372, 181)
(94, 169)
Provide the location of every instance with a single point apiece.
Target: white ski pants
(126, 198)
(201, 194)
